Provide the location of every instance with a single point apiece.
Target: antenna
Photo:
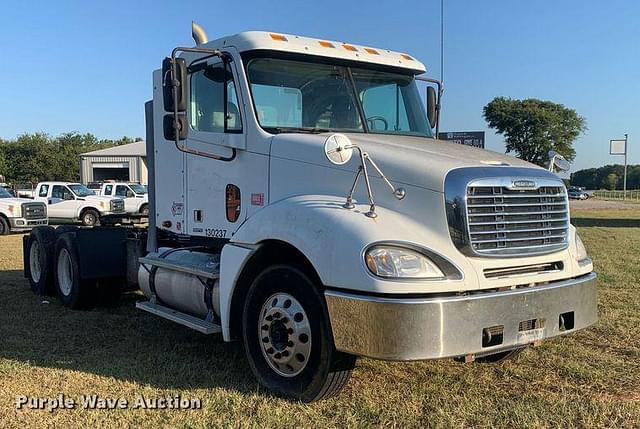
(442, 41)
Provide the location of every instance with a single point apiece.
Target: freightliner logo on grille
(528, 184)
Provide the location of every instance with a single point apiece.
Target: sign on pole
(469, 138)
(619, 147)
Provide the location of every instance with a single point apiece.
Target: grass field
(590, 379)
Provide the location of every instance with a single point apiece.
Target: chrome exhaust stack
(198, 34)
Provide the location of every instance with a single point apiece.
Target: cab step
(184, 319)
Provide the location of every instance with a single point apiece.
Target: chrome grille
(507, 220)
(34, 211)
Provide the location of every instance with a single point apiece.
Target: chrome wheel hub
(284, 333)
(34, 261)
(65, 278)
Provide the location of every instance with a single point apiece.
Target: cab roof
(264, 40)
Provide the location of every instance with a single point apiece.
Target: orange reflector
(350, 48)
(406, 57)
(326, 44)
(278, 37)
(371, 51)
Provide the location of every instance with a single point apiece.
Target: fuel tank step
(181, 267)
(187, 320)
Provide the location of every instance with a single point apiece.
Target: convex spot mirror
(432, 104)
(338, 149)
(557, 161)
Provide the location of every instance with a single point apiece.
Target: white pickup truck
(20, 214)
(136, 200)
(73, 202)
(301, 203)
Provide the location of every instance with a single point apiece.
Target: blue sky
(86, 66)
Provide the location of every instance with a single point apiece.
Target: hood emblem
(528, 184)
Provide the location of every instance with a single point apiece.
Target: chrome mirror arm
(399, 193)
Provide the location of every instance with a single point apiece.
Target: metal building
(126, 162)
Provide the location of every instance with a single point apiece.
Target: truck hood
(409, 160)
(16, 201)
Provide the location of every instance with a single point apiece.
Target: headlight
(15, 211)
(581, 251)
(397, 262)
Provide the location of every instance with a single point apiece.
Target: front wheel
(90, 217)
(144, 211)
(287, 337)
(4, 226)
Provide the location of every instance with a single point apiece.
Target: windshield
(81, 190)
(138, 189)
(4, 193)
(292, 95)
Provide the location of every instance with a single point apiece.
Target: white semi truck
(300, 203)
(20, 214)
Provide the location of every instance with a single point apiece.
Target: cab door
(124, 192)
(218, 191)
(61, 203)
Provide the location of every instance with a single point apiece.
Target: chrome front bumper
(22, 224)
(431, 328)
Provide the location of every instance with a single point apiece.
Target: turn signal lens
(396, 263)
(581, 251)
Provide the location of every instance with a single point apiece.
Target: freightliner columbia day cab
(300, 203)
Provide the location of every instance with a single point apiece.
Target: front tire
(4, 226)
(72, 291)
(90, 217)
(288, 339)
(144, 210)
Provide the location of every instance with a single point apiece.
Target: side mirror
(130, 194)
(67, 196)
(169, 129)
(432, 105)
(180, 81)
(557, 161)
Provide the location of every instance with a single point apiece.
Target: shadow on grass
(119, 342)
(605, 222)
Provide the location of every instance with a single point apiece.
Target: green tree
(532, 127)
(611, 181)
(37, 157)
(3, 159)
